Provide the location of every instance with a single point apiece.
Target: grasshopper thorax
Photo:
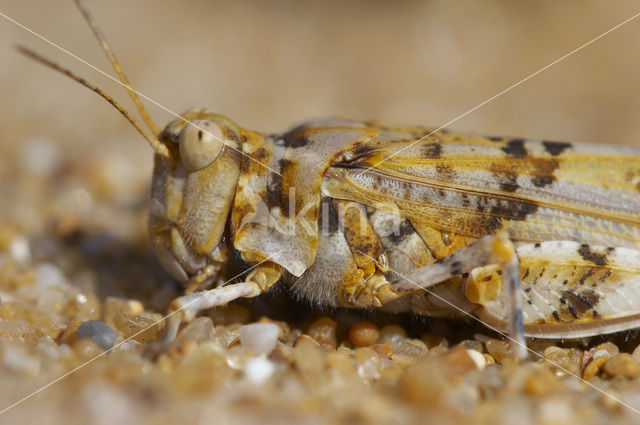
(192, 192)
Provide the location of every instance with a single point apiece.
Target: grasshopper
(538, 238)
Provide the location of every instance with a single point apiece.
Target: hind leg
(491, 249)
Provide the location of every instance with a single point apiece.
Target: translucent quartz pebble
(99, 332)
(198, 331)
(50, 275)
(259, 337)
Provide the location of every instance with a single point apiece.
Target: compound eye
(200, 144)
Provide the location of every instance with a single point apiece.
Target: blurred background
(269, 65)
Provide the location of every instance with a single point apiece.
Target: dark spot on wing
(556, 148)
(432, 150)
(508, 183)
(515, 148)
(200, 134)
(573, 311)
(581, 302)
(496, 139)
(488, 224)
(513, 210)
(591, 296)
(362, 150)
(465, 200)
(556, 315)
(588, 255)
(544, 167)
(585, 276)
(542, 181)
(605, 275)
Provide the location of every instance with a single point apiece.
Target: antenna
(157, 146)
(116, 65)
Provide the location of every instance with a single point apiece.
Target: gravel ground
(77, 276)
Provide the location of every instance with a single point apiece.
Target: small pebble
(471, 344)
(198, 331)
(411, 347)
(622, 364)
(383, 350)
(70, 334)
(20, 250)
(99, 332)
(368, 363)
(363, 334)
(500, 350)
(609, 347)
(17, 359)
(259, 369)
(112, 306)
(478, 358)
(307, 358)
(391, 333)
(306, 339)
(461, 360)
(138, 328)
(594, 366)
(568, 360)
(285, 331)
(403, 361)
(340, 363)
(541, 381)
(260, 338)
(323, 330)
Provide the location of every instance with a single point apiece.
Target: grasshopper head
(192, 192)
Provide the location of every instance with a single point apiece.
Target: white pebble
(18, 360)
(477, 358)
(20, 251)
(260, 338)
(259, 369)
(48, 274)
(369, 370)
